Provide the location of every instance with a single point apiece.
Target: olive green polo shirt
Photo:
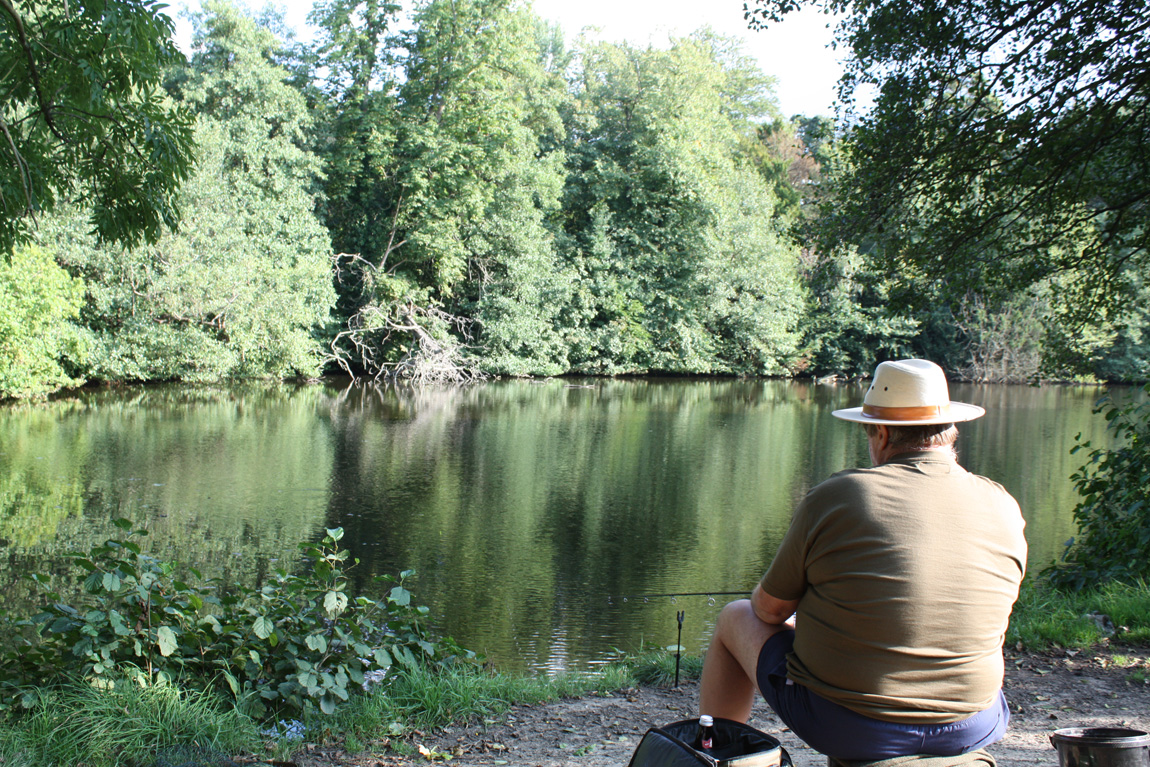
(905, 575)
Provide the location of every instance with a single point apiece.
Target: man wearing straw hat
(877, 630)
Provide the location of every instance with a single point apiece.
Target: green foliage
(476, 70)
(245, 289)
(298, 642)
(123, 723)
(439, 191)
(682, 266)
(779, 153)
(426, 698)
(1004, 339)
(82, 115)
(656, 666)
(849, 327)
(994, 173)
(1127, 356)
(1113, 513)
(38, 301)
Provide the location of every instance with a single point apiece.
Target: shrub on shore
(300, 641)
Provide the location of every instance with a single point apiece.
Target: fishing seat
(979, 758)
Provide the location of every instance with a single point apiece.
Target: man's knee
(733, 617)
(743, 634)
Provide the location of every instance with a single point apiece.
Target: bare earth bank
(1046, 692)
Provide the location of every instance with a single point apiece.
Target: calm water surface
(539, 516)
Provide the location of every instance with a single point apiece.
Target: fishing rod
(680, 614)
(673, 596)
(677, 647)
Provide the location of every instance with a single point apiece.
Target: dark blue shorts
(836, 731)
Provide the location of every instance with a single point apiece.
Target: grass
(1044, 618)
(426, 700)
(655, 666)
(124, 724)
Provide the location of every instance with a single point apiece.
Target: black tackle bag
(735, 745)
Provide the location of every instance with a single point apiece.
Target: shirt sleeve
(786, 578)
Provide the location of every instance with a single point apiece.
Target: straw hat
(909, 393)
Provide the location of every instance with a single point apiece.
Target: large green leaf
(335, 602)
(263, 627)
(166, 641)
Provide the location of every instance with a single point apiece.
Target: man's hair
(931, 436)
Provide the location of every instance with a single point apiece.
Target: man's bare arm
(771, 610)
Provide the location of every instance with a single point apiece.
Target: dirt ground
(1046, 692)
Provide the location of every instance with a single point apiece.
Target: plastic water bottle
(706, 738)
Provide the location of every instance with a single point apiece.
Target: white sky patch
(796, 52)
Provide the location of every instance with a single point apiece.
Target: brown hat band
(905, 413)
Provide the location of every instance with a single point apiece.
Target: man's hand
(771, 610)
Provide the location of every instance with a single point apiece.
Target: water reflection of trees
(214, 473)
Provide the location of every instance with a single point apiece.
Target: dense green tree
(442, 201)
(1127, 358)
(82, 116)
(778, 152)
(244, 289)
(355, 57)
(38, 301)
(683, 267)
(848, 327)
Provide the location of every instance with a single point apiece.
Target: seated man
(902, 578)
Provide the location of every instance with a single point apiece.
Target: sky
(796, 52)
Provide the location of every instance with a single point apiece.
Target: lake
(542, 518)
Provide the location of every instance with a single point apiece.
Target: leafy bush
(1113, 517)
(296, 643)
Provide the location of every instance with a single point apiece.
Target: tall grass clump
(1046, 617)
(655, 666)
(122, 723)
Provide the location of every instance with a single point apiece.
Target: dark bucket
(1102, 747)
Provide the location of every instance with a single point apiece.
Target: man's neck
(890, 453)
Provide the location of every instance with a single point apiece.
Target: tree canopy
(82, 116)
(244, 288)
(1006, 144)
(502, 202)
(683, 266)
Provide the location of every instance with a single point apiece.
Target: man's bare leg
(728, 686)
